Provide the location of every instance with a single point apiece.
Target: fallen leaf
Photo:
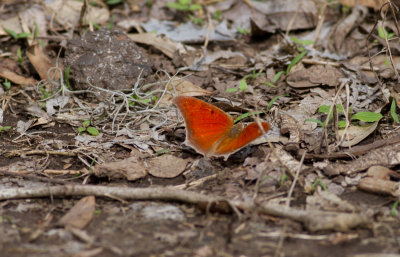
(42, 63)
(131, 168)
(166, 166)
(81, 214)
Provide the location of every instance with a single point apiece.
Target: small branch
(312, 220)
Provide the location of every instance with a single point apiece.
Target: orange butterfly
(210, 130)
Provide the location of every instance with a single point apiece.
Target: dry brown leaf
(42, 62)
(164, 44)
(81, 214)
(15, 78)
(166, 166)
(315, 76)
(376, 4)
(355, 134)
(131, 168)
(182, 87)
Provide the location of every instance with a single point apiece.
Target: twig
(313, 221)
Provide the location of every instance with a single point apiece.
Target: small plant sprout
(393, 112)
(19, 56)
(243, 31)
(86, 127)
(4, 128)
(243, 82)
(7, 84)
(360, 116)
(17, 36)
(184, 5)
(393, 210)
(318, 182)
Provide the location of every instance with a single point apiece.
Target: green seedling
(163, 151)
(360, 116)
(7, 84)
(5, 128)
(317, 182)
(217, 15)
(184, 5)
(19, 56)
(111, 22)
(243, 31)
(393, 112)
(283, 179)
(114, 2)
(243, 82)
(301, 43)
(273, 101)
(367, 116)
(97, 212)
(393, 210)
(86, 127)
(245, 115)
(295, 61)
(17, 36)
(196, 20)
(144, 101)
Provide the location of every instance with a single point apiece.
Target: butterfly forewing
(205, 123)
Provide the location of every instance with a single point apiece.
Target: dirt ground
(92, 154)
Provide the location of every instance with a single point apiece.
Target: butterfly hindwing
(205, 123)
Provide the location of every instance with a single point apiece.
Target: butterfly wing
(239, 137)
(205, 123)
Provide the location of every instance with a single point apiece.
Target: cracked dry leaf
(385, 156)
(9, 69)
(355, 134)
(42, 63)
(166, 166)
(80, 215)
(315, 76)
(131, 169)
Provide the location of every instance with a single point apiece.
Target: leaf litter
(67, 68)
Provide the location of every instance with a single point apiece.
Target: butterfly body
(211, 131)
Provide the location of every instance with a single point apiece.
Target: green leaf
(19, 55)
(184, 2)
(273, 101)
(195, 7)
(217, 15)
(6, 128)
(295, 61)
(81, 130)
(86, 123)
(178, 6)
(23, 35)
(277, 76)
(162, 151)
(7, 84)
(35, 30)
(382, 32)
(269, 84)
(393, 112)
(245, 115)
(342, 124)
(231, 89)
(324, 109)
(114, 2)
(11, 33)
(367, 116)
(393, 210)
(67, 70)
(93, 131)
(243, 84)
(316, 121)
